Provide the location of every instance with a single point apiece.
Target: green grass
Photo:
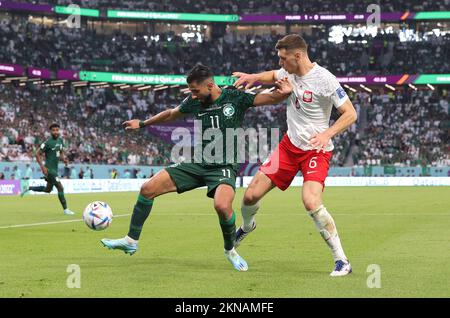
(406, 231)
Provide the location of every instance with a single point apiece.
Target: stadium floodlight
(137, 85)
(124, 86)
(365, 88)
(161, 88)
(121, 84)
(268, 90)
(17, 78)
(79, 84)
(431, 87)
(144, 87)
(98, 84)
(412, 86)
(392, 88)
(174, 86)
(350, 88)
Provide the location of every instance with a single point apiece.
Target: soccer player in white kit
(307, 146)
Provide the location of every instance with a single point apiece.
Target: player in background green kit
(217, 109)
(52, 148)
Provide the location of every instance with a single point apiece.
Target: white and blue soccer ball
(97, 215)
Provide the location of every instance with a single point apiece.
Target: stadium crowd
(259, 6)
(406, 127)
(410, 127)
(58, 47)
(90, 121)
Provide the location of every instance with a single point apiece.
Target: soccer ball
(97, 215)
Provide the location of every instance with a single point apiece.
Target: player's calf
(327, 228)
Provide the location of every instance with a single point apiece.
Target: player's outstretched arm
(282, 91)
(162, 117)
(268, 77)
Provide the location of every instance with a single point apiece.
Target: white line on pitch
(50, 223)
(212, 214)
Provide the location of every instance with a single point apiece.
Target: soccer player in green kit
(53, 150)
(217, 109)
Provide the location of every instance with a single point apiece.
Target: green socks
(62, 199)
(141, 211)
(228, 231)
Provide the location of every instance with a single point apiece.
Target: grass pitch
(406, 231)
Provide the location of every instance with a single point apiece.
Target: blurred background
(67, 64)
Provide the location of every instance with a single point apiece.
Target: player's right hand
(250, 79)
(284, 86)
(45, 171)
(131, 124)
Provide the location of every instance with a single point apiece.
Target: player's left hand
(284, 86)
(319, 141)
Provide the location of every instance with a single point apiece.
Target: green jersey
(52, 149)
(215, 125)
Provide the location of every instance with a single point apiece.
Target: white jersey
(310, 104)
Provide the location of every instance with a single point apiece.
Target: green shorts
(52, 178)
(188, 176)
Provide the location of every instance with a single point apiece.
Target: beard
(207, 100)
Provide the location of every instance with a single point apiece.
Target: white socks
(248, 215)
(327, 229)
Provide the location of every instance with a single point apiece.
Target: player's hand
(250, 79)
(319, 141)
(284, 86)
(131, 124)
(45, 171)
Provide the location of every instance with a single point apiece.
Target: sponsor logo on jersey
(228, 109)
(307, 96)
(340, 92)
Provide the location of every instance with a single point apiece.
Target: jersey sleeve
(186, 106)
(43, 146)
(247, 100)
(336, 93)
(281, 73)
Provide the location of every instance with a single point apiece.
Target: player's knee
(223, 208)
(47, 190)
(311, 203)
(148, 190)
(250, 198)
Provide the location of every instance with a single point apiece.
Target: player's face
(55, 132)
(289, 60)
(201, 91)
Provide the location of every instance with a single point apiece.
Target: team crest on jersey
(228, 109)
(307, 96)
